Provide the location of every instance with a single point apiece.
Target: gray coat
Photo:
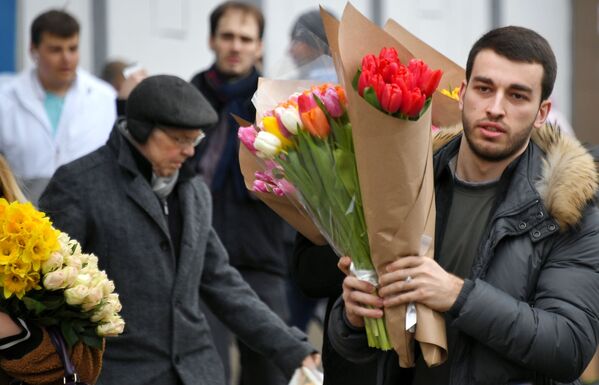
(104, 202)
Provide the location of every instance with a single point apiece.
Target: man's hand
(429, 284)
(361, 301)
(312, 361)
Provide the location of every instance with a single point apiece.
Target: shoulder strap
(70, 376)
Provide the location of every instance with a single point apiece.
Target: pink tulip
(247, 136)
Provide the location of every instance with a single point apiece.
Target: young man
(145, 212)
(55, 112)
(252, 234)
(517, 248)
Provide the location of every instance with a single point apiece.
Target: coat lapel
(137, 187)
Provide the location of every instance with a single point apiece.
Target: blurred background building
(171, 36)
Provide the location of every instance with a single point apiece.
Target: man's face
(57, 59)
(236, 43)
(500, 105)
(167, 148)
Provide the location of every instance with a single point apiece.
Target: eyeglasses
(184, 142)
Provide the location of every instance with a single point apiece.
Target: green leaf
(35, 306)
(370, 97)
(70, 337)
(92, 341)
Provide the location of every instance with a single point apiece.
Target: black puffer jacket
(529, 311)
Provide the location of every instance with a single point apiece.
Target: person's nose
(236, 44)
(188, 151)
(496, 107)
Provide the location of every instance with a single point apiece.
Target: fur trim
(569, 178)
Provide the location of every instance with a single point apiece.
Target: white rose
(53, 263)
(74, 261)
(71, 274)
(83, 279)
(92, 262)
(113, 299)
(112, 328)
(76, 295)
(93, 298)
(267, 145)
(105, 312)
(98, 277)
(55, 280)
(107, 287)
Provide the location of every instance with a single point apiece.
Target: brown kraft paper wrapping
(394, 159)
(286, 207)
(446, 111)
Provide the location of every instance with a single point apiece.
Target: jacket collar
(555, 170)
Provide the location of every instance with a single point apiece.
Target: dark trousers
(255, 368)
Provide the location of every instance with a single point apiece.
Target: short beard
(516, 144)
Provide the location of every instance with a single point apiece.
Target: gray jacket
(106, 204)
(529, 312)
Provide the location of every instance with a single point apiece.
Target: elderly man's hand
(312, 361)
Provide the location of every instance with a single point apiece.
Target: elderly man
(140, 207)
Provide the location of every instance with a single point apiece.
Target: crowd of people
(144, 172)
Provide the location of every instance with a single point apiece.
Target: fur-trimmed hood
(569, 179)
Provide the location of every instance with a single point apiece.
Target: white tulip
(290, 118)
(267, 145)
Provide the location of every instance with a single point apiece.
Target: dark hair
(55, 22)
(521, 45)
(238, 5)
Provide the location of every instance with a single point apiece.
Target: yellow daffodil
(14, 284)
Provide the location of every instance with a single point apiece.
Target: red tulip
(430, 82)
(369, 63)
(364, 81)
(424, 78)
(391, 98)
(416, 99)
(378, 84)
(389, 54)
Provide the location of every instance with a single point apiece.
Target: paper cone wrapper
(446, 111)
(268, 95)
(394, 160)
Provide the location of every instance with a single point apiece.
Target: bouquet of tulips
(47, 279)
(306, 142)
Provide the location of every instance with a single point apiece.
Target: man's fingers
(343, 264)
(398, 275)
(404, 298)
(405, 263)
(397, 287)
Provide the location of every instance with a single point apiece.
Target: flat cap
(168, 101)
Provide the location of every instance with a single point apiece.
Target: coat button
(536, 233)
(164, 246)
(522, 225)
(540, 214)
(552, 227)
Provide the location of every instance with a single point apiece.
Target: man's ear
(462, 93)
(542, 114)
(211, 43)
(33, 52)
